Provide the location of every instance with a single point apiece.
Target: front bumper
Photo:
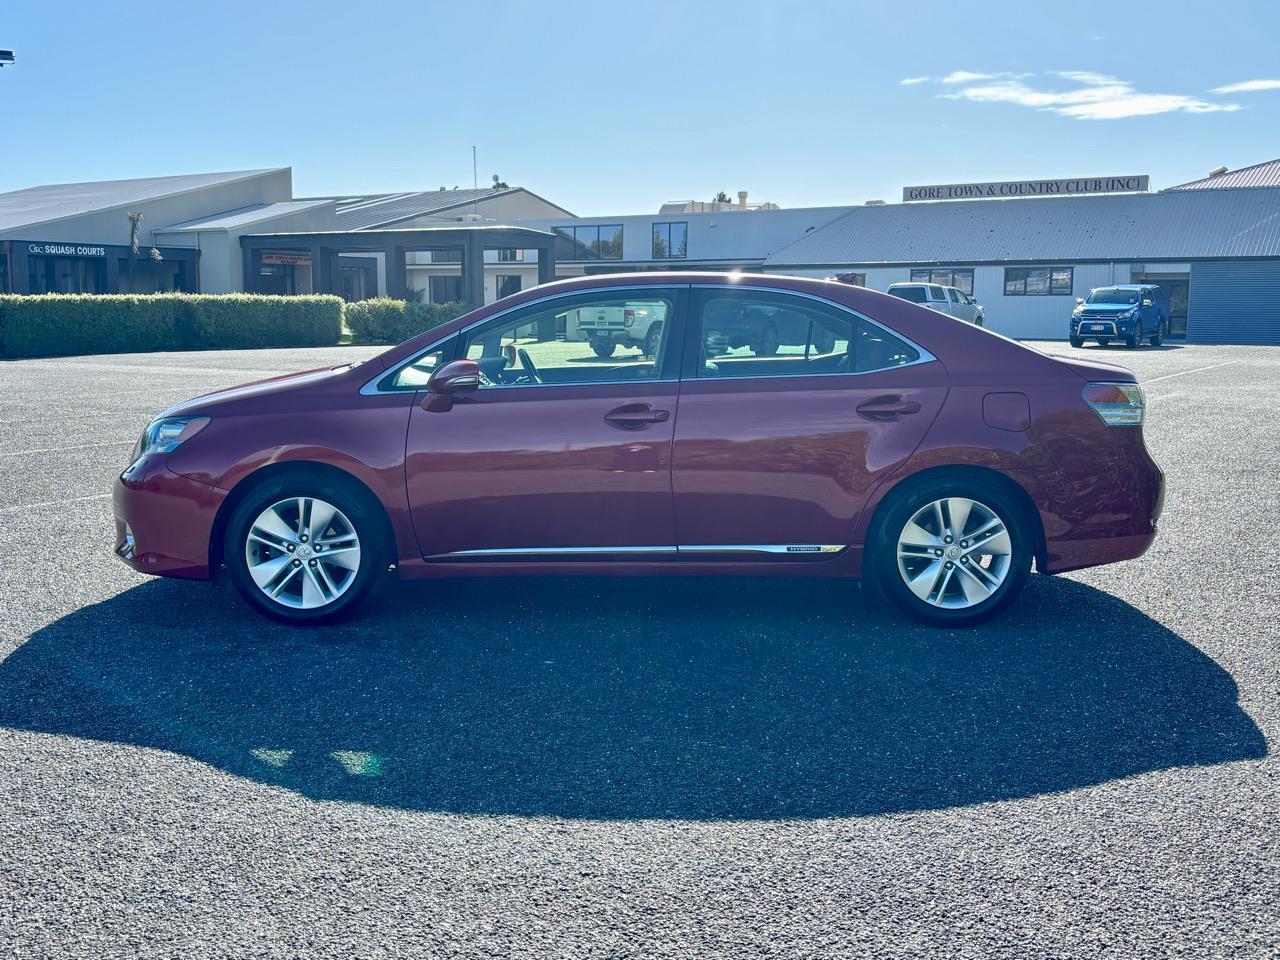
(1086, 328)
(164, 521)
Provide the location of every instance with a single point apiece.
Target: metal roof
(1161, 226)
(384, 209)
(245, 216)
(1259, 175)
(57, 201)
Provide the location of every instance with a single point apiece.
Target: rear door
(777, 454)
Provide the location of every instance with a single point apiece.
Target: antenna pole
(475, 184)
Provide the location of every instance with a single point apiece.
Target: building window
(670, 241)
(508, 283)
(510, 256)
(446, 256)
(596, 242)
(445, 289)
(66, 275)
(1038, 281)
(962, 280)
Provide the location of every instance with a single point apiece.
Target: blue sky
(610, 107)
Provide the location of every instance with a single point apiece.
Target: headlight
(1125, 315)
(166, 434)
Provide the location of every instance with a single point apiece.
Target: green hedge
(60, 324)
(391, 321)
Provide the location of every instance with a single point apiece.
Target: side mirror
(1079, 301)
(456, 376)
(1146, 303)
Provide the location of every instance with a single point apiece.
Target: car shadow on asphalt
(643, 698)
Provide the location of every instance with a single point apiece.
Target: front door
(561, 453)
(777, 454)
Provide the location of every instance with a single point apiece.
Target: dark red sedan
(778, 427)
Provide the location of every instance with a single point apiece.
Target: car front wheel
(952, 552)
(1075, 341)
(305, 549)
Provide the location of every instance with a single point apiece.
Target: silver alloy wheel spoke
(954, 552)
(303, 552)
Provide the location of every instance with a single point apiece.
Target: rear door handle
(888, 407)
(634, 416)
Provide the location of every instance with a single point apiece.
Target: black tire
(1157, 338)
(1134, 340)
(882, 549)
(652, 340)
(603, 348)
(1075, 341)
(1104, 341)
(353, 501)
(767, 345)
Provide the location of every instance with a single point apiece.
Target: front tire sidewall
(882, 562)
(357, 508)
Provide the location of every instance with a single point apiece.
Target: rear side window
(748, 334)
(914, 294)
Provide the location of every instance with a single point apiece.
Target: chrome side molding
(775, 549)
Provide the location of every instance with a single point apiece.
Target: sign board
(1027, 188)
(64, 250)
(287, 259)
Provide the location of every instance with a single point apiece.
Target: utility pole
(475, 185)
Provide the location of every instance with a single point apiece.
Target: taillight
(1118, 404)
(628, 317)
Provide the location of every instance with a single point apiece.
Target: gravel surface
(660, 768)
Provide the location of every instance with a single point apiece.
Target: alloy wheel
(302, 552)
(954, 553)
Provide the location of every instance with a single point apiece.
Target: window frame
(952, 272)
(676, 358)
(653, 239)
(570, 232)
(1050, 291)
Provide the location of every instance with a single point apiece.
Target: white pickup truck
(633, 324)
(949, 300)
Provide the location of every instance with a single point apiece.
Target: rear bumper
(164, 521)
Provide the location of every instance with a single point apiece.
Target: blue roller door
(1236, 301)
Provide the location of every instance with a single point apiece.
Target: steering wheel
(530, 370)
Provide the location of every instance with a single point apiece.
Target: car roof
(914, 283)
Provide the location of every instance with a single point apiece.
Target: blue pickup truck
(1131, 312)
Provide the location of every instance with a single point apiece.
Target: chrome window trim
(775, 549)
(371, 389)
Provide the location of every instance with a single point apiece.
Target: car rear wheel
(603, 348)
(1157, 338)
(305, 549)
(1104, 341)
(952, 552)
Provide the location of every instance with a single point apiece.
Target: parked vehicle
(949, 300)
(936, 460)
(1131, 312)
(636, 324)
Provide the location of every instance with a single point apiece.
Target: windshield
(1114, 295)
(914, 294)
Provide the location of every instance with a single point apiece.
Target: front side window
(750, 334)
(1037, 281)
(601, 339)
(959, 277)
(670, 241)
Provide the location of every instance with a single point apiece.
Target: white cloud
(912, 81)
(1248, 86)
(1086, 96)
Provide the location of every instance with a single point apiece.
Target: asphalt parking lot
(570, 768)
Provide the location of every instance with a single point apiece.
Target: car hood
(1097, 370)
(1107, 307)
(256, 394)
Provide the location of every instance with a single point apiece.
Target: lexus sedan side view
(937, 459)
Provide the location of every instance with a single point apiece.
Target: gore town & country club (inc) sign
(64, 250)
(1027, 188)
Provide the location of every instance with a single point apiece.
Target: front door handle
(634, 416)
(888, 407)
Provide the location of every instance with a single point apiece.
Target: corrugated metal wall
(1236, 301)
